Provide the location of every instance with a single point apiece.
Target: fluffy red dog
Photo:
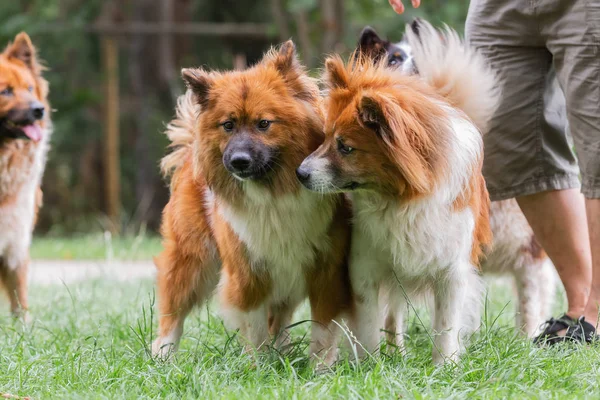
(236, 204)
(24, 135)
(410, 156)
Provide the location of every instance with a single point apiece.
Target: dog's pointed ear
(369, 40)
(372, 115)
(285, 59)
(415, 26)
(336, 76)
(22, 49)
(404, 136)
(199, 82)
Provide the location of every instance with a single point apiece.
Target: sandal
(582, 332)
(549, 335)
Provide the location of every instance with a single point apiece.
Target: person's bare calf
(558, 219)
(593, 219)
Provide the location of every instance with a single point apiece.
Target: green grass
(96, 247)
(90, 341)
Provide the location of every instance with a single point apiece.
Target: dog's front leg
(450, 295)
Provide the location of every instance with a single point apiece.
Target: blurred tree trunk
(282, 21)
(306, 47)
(166, 50)
(111, 136)
(183, 43)
(340, 14)
(332, 17)
(142, 78)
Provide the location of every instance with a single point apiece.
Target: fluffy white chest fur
(416, 240)
(425, 235)
(17, 216)
(283, 234)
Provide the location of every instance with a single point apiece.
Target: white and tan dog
(24, 135)
(515, 251)
(409, 152)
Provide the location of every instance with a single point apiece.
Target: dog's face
(256, 126)
(379, 134)
(22, 92)
(397, 55)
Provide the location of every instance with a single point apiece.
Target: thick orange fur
(476, 197)
(202, 245)
(22, 164)
(411, 161)
(406, 157)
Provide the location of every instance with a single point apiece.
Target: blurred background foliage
(74, 182)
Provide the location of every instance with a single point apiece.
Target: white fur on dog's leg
(165, 346)
(535, 288)
(394, 319)
(528, 310)
(450, 294)
(282, 317)
(458, 297)
(323, 344)
(256, 328)
(366, 324)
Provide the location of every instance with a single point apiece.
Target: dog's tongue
(33, 132)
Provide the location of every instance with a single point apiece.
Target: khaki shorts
(527, 149)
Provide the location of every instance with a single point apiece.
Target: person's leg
(573, 37)
(526, 155)
(558, 220)
(593, 214)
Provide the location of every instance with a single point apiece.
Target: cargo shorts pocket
(592, 17)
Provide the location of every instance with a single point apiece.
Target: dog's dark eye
(228, 126)
(6, 92)
(264, 124)
(342, 148)
(30, 88)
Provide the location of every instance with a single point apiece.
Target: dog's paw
(22, 316)
(163, 350)
(440, 359)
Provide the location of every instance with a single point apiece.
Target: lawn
(90, 340)
(98, 246)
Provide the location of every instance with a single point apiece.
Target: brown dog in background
(24, 135)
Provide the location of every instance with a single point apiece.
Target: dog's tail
(456, 70)
(180, 132)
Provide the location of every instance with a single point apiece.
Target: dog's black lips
(261, 173)
(11, 129)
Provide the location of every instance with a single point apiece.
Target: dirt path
(48, 272)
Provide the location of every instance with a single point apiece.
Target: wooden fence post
(111, 159)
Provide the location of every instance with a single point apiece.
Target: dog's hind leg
(182, 282)
(535, 282)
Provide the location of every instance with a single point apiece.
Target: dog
(25, 130)
(239, 221)
(409, 153)
(515, 250)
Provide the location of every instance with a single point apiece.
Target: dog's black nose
(303, 174)
(37, 110)
(240, 161)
